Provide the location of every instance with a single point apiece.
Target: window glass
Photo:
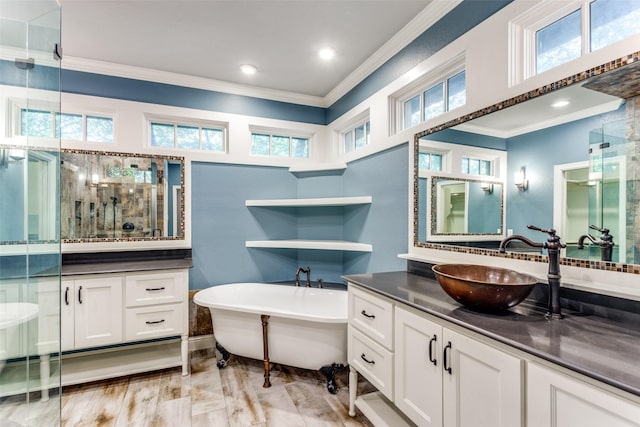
(434, 101)
(423, 161)
(436, 162)
(430, 161)
(99, 129)
(69, 126)
(485, 167)
(465, 165)
(558, 42)
(456, 91)
(280, 146)
(348, 141)
(260, 144)
(360, 138)
(613, 20)
(188, 137)
(36, 123)
(162, 135)
(212, 139)
(411, 111)
(299, 147)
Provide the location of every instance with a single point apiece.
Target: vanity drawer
(154, 322)
(155, 288)
(371, 315)
(371, 360)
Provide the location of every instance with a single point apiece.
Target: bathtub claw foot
(330, 372)
(225, 356)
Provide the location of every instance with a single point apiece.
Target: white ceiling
(211, 39)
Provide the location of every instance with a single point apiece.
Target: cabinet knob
(432, 342)
(364, 357)
(370, 316)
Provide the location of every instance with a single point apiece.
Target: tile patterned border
(568, 81)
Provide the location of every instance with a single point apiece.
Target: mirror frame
(431, 224)
(181, 223)
(568, 81)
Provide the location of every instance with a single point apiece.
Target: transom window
(74, 127)
(187, 137)
(444, 96)
(554, 34)
(278, 145)
(430, 161)
(356, 136)
(474, 166)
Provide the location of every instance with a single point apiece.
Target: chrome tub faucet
(303, 270)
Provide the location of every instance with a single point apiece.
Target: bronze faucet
(303, 270)
(553, 246)
(606, 242)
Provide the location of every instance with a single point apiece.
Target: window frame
(287, 133)
(176, 122)
(439, 75)
(362, 121)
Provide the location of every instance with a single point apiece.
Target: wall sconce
(487, 187)
(520, 179)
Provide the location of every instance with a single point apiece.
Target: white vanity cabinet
(425, 372)
(557, 399)
(91, 311)
(445, 378)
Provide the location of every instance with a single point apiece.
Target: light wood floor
(229, 397)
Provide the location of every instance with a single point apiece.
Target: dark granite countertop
(601, 348)
(121, 262)
(125, 266)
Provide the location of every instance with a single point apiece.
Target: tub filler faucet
(303, 270)
(606, 242)
(553, 246)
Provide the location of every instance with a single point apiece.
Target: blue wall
(538, 152)
(222, 223)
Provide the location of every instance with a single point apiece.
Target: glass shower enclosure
(30, 259)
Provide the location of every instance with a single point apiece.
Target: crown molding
(431, 14)
(165, 77)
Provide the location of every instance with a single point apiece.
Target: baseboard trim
(202, 342)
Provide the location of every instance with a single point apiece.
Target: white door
(555, 399)
(67, 316)
(481, 385)
(418, 368)
(98, 311)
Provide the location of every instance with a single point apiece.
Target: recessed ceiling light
(560, 104)
(326, 53)
(248, 69)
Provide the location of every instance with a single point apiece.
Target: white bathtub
(307, 326)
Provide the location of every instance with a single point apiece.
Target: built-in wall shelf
(321, 201)
(324, 245)
(318, 167)
(327, 245)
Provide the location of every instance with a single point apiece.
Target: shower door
(29, 213)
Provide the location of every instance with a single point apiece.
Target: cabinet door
(98, 312)
(482, 386)
(67, 316)
(418, 368)
(555, 399)
(48, 295)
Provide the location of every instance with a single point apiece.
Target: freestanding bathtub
(307, 327)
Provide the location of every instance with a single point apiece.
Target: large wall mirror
(572, 164)
(120, 197)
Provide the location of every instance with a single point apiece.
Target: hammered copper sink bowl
(484, 288)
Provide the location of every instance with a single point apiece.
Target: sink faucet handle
(550, 231)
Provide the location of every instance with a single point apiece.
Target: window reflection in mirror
(121, 196)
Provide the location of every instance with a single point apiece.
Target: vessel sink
(484, 288)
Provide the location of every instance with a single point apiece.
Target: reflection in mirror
(28, 184)
(121, 196)
(580, 157)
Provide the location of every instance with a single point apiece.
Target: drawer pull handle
(370, 316)
(363, 357)
(432, 341)
(66, 296)
(154, 289)
(80, 295)
(446, 365)
(148, 322)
